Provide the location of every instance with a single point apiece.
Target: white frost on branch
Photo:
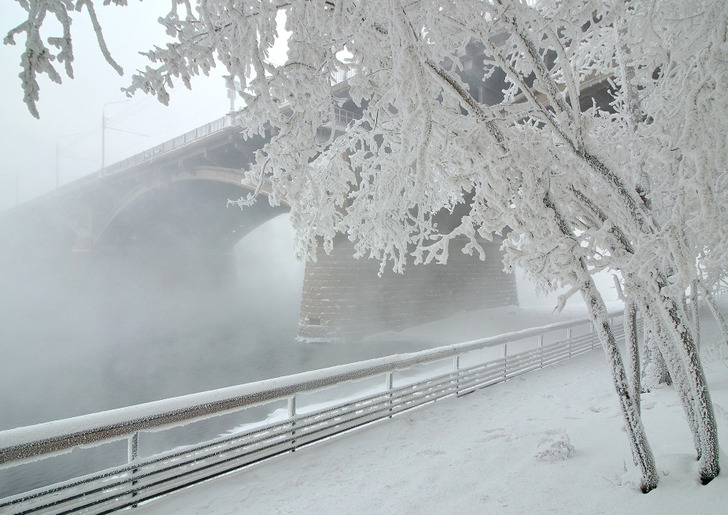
(39, 57)
(591, 134)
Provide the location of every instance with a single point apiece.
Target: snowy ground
(547, 442)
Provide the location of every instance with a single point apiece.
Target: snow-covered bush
(555, 446)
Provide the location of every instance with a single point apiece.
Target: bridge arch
(185, 198)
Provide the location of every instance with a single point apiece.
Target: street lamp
(58, 139)
(103, 130)
(104, 127)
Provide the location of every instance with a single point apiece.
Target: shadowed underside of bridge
(183, 232)
(184, 215)
(176, 228)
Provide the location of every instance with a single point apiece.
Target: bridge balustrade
(169, 146)
(311, 406)
(342, 118)
(340, 76)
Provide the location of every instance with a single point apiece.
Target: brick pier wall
(344, 299)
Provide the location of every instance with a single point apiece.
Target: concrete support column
(344, 299)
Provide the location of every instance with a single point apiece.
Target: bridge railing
(340, 76)
(301, 409)
(197, 134)
(342, 117)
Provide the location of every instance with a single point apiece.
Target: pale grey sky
(71, 113)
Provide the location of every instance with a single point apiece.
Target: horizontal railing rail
(169, 146)
(458, 369)
(342, 118)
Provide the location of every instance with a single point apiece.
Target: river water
(72, 350)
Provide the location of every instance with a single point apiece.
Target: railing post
(132, 453)
(456, 369)
(292, 415)
(505, 361)
(540, 346)
(388, 385)
(568, 339)
(133, 447)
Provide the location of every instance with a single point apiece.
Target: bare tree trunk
(689, 380)
(714, 309)
(695, 312)
(684, 304)
(641, 452)
(655, 370)
(679, 332)
(677, 347)
(671, 361)
(632, 348)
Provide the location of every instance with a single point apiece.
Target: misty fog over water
(90, 341)
(103, 334)
(70, 350)
(121, 341)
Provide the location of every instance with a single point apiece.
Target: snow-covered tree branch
(39, 57)
(593, 133)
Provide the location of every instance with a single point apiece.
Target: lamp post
(103, 130)
(104, 127)
(58, 139)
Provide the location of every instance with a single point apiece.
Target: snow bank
(481, 454)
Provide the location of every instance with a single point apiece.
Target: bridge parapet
(194, 136)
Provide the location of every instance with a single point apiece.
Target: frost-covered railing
(340, 76)
(342, 117)
(197, 134)
(297, 410)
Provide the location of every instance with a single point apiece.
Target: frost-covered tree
(43, 57)
(591, 133)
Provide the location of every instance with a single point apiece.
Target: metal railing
(176, 143)
(342, 117)
(340, 76)
(312, 413)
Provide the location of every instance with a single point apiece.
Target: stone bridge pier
(344, 298)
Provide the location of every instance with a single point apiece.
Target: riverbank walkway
(550, 441)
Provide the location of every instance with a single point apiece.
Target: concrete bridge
(164, 210)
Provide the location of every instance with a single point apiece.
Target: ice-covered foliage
(593, 131)
(39, 57)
